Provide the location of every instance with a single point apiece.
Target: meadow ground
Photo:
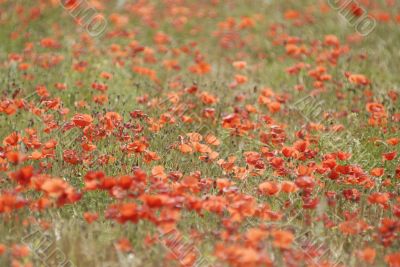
(199, 133)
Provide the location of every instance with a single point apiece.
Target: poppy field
(199, 133)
